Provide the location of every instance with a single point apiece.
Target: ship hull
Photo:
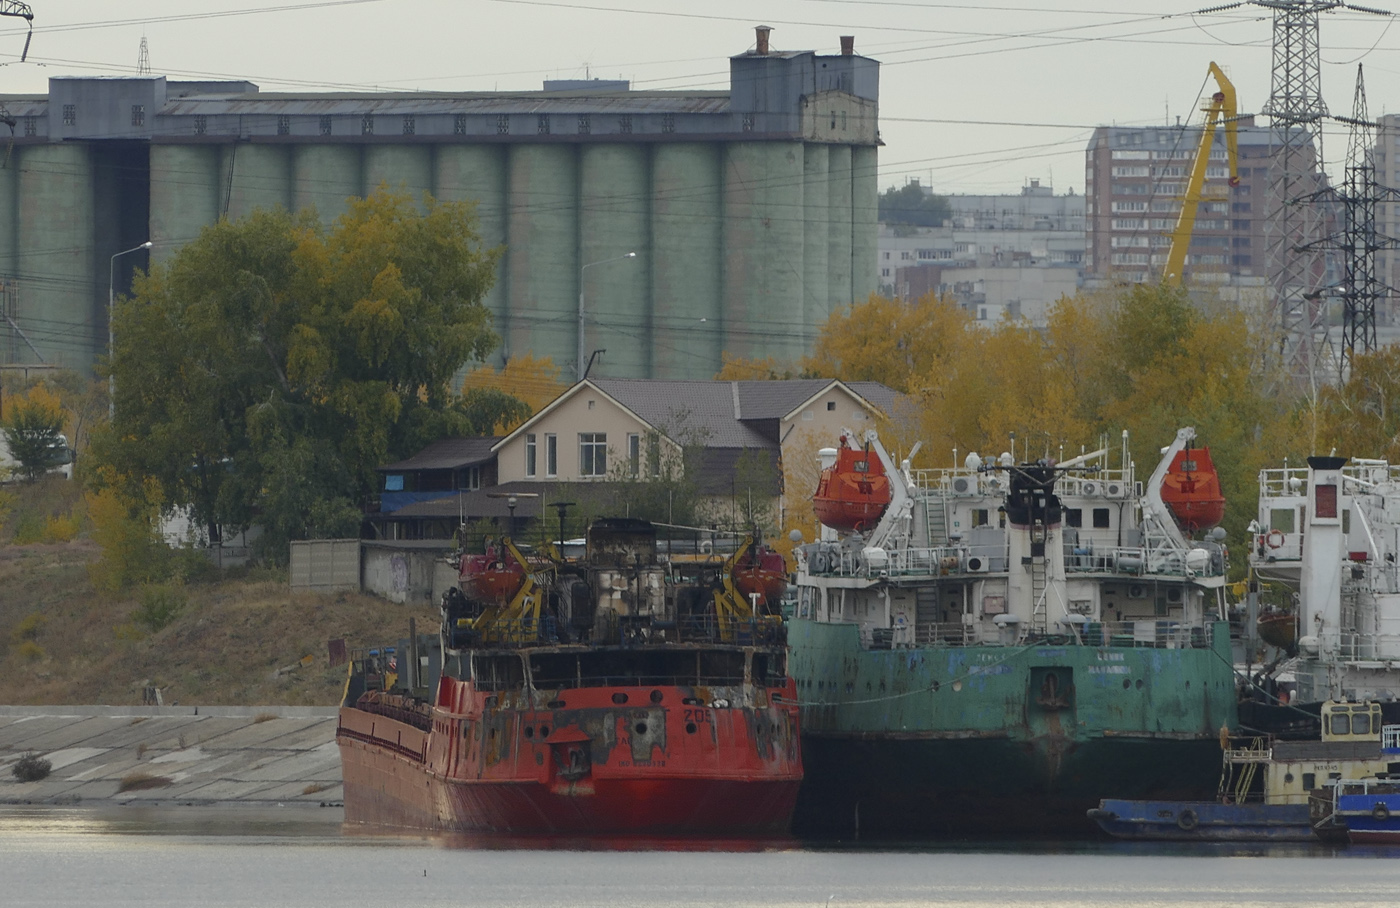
(483, 762)
(1204, 821)
(950, 741)
(383, 788)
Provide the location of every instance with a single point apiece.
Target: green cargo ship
(1008, 645)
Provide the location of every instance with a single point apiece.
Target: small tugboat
(1365, 811)
(1269, 791)
(603, 697)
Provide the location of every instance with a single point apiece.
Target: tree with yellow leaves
(532, 379)
(33, 428)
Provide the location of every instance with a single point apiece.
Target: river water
(192, 858)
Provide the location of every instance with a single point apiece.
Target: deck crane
(1221, 110)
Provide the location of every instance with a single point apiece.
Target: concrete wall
(326, 564)
(402, 574)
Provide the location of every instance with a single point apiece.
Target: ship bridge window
(1360, 724)
(1341, 724)
(1101, 518)
(980, 517)
(1281, 519)
(1074, 517)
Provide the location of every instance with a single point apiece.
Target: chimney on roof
(761, 38)
(848, 45)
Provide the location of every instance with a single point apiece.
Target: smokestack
(848, 45)
(761, 38)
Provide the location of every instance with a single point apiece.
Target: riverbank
(173, 755)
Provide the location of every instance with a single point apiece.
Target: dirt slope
(224, 648)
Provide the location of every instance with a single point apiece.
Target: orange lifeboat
(762, 572)
(490, 577)
(1191, 489)
(852, 493)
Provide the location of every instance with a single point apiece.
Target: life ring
(1274, 539)
(1380, 813)
(1187, 819)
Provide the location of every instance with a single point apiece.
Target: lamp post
(111, 337)
(580, 368)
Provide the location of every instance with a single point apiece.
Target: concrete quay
(263, 756)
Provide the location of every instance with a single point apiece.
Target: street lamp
(580, 368)
(111, 307)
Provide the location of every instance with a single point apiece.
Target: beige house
(627, 428)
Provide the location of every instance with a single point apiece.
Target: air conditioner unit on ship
(963, 485)
(1137, 591)
(976, 564)
(1115, 489)
(1090, 489)
(1174, 595)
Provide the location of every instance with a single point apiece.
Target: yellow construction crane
(1220, 110)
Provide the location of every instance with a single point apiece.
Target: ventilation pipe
(761, 39)
(848, 45)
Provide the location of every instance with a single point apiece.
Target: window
(542, 125)
(325, 126)
(138, 115)
(1281, 519)
(1074, 517)
(748, 123)
(979, 517)
(530, 454)
(459, 124)
(592, 453)
(1309, 780)
(1360, 724)
(668, 122)
(201, 125)
(634, 455)
(1326, 496)
(31, 128)
(469, 479)
(551, 455)
(70, 115)
(410, 125)
(502, 125)
(624, 124)
(1100, 518)
(830, 405)
(284, 125)
(585, 124)
(393, 482)
(367, 125)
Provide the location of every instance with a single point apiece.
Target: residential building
(601, 430)
(998, 255)
(1135, 178)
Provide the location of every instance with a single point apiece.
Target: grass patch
(260, 718)
(31, 768)
(31, 651)
(315, 787)
(141, 781)
(160, 606)
(28, 628)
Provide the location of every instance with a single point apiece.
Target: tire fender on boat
(1187, 819)
(1380, 813)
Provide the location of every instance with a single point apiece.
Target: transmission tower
(143, 60)
(1293, 222)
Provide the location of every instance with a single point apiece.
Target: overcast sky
(973, 98)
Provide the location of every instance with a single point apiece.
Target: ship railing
(945, 560)
(1143, 634)
(637, 630)
(1390, 738)
(1292, 482)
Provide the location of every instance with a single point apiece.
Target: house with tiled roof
(605, 429)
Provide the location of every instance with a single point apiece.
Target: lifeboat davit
(852, 493)
(763, 573)
(1191, 489)
(490, 577)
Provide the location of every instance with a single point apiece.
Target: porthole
(690, 728)
(544, 731)
(619, 698)
(1127, 683)
(1139, 684)
(640, 728)
(656, 696)
(529, 731)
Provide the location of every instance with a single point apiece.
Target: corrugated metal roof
(560, 102)
(447, 454)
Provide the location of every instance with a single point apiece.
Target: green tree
(908, 206)
(265, 372)
(33, 428)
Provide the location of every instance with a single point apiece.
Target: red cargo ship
(601, 699)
